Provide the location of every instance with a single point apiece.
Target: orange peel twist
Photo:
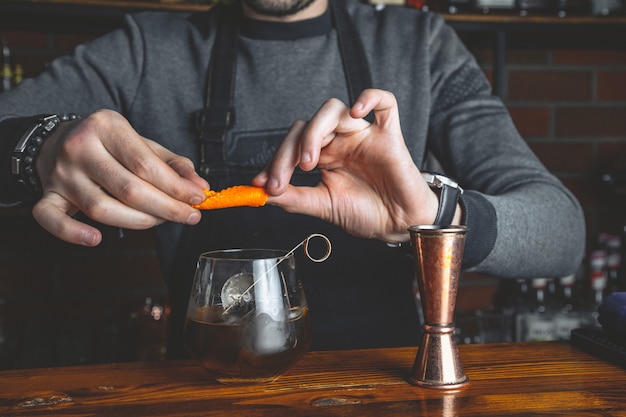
(236, 196)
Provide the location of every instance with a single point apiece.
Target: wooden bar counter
(518, 379)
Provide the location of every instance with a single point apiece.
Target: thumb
(311, 201)
(53, 213)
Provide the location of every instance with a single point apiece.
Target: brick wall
(570, 105)
(61, 304)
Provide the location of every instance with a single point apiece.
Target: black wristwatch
(449, 192)
(24, 155)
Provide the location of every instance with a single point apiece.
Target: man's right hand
(102, 167)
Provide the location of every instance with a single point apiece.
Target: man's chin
(277, 8)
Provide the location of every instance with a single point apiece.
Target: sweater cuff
(11, 130)
(481, 220)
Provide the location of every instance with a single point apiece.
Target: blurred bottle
(535, 7)
(7, 74)
(607, 7)
(568, 314)
(521, 305)
(495, 325)
(613, 263)
(622, 273)
(379, 3)
(416, 4)
(149, 326)
(457, 6)
(18, 74)
(537, 324)
(495, 6)
(598, 275)
(572, 7)
(598, 278)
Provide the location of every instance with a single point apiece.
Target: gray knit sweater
(522, 221)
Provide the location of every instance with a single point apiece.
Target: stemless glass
(247, 318)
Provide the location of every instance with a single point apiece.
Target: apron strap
(218, 115)
(355, 65)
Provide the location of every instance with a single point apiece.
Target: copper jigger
(438, 254)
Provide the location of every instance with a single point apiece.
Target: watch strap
(24, 155)
(448, 197)
(449, 193)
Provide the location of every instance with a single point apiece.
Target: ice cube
(265, 336)
(238, 293)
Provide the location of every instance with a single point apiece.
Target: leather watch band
(449, 193)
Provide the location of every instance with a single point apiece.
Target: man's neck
(315, 9)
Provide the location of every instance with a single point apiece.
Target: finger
(104, 164)
(320, 131)
(277, 174)
(53, 214)
(139, 159)
(311, 201)
(384, 105)
(137, 203)
(184, 167)
(138, 155)
(331, 120)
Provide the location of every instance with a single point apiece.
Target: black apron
(362, 296)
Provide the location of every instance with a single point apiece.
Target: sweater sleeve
(103, 73)
(522, 221)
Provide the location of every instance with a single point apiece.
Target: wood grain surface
(518, 379)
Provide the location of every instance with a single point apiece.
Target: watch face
(439, 180)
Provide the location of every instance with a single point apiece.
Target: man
(228, 93)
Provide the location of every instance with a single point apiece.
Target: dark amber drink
(253, 348)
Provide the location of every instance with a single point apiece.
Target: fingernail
(195, 200)
(305, 157)
(193, 218)
(89, 239)
(272, 183)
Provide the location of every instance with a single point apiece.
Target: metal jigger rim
(448, 228)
